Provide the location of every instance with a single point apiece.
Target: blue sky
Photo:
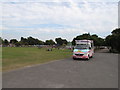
(46, 19)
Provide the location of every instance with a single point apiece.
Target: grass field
(16, 57)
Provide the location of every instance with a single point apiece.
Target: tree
(33, 41)
(61, 41)
(18, 44)
(1, 40)
(116, 31)
(97, 40)
(24, 41)
(94, 35)
(13, 41)
(81, 37)
(38, 42)
(5, 42)
(65, 41)
(114, 40)
(41, 42)
(30, 41)
(49, 42)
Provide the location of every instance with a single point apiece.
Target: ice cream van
(84, 49)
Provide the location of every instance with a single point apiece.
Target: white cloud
(86, 17)
(58, 0)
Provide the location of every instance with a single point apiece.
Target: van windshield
(84, 46)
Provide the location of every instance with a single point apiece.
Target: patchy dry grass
(16, 57)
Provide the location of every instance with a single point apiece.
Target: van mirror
(89, 47)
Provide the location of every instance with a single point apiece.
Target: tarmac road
(101, 71)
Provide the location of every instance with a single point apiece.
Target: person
(49, 49)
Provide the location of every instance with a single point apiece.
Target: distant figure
(49, 49)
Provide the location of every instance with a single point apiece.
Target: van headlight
(73, 53)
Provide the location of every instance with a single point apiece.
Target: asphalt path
(101, 71)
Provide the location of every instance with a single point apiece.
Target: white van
(84, 49)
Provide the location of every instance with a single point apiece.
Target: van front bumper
(81, 57)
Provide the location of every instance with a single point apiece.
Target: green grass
(16, 57)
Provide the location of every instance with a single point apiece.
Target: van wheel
(91, 57)
(74, 58)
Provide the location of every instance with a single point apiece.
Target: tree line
(32, 41)
(97, 40)
(112, 41)
(59, 41)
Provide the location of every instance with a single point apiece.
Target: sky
(50, 19)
